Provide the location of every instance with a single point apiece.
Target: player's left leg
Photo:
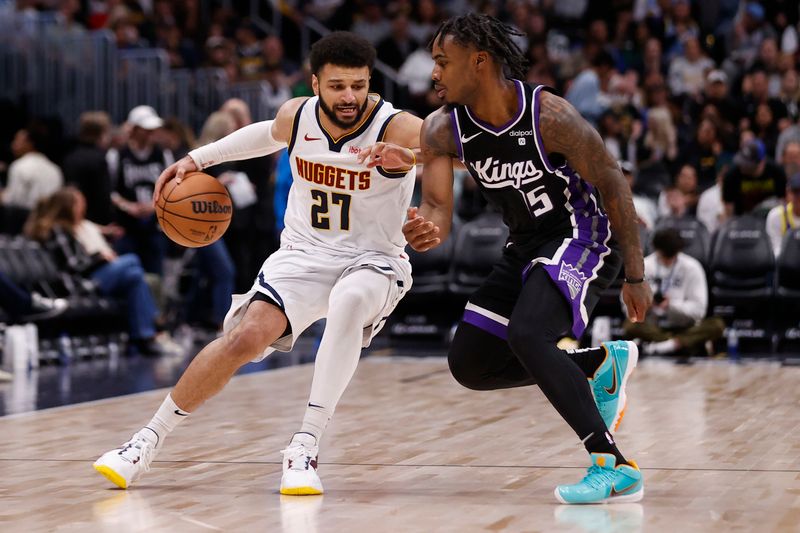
(565, 385)
(355, 301)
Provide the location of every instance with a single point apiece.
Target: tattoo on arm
(565, 132)
(437, 136)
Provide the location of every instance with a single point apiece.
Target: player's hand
(387, 155)
(637, 297)
(175, 171)
(421, 234)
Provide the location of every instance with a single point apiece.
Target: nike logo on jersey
(315, 405)
(307, 138)
(468, 139)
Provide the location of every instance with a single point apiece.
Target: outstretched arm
(565, 132)
(255, 140)
(429, 225)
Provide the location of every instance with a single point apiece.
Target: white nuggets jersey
(334, 202)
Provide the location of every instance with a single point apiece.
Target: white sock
(164, 421)
(355, 300)
(315, 420)
(663, 347)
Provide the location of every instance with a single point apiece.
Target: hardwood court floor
(410, 450)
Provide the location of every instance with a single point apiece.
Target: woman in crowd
(59, 221)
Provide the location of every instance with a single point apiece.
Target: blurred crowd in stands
(697, 100)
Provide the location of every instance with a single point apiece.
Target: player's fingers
(365, 154)
(413, 224)
(179, 174)
(424, 247)
(376, 157)
(421, 229)
(412, 212)
(162, 180)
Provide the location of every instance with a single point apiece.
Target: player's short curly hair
(342, 48)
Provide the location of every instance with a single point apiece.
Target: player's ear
(481, 59)
(315, 84)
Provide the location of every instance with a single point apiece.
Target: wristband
(635, 281)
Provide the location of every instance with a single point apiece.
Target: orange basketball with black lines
(195, 212)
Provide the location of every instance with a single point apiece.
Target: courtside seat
(741, 277)
(431, 269)
(742, 262)
(12, 219)
(787, 291)
(694, 234)
(478, 246)
(32, 267)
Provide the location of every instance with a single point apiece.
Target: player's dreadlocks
(487, 34)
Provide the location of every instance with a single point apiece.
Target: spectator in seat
(140, 163)
(786, 216)
(676, 320)
(680, 199)
(86, 168)
(394, 49)
(645, 207)
(32, 176)
(687, 72)
(79, 247)
(752, 181)
(588, 92)
(23, 305)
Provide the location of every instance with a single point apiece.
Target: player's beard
(331, 113)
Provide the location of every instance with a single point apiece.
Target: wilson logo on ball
(200, 207)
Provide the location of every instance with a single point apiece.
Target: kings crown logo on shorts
(214, 207)
(573, 277)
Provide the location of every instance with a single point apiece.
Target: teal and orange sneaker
(605, 483)
(610, 378)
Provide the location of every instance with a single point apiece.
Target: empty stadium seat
(478, 246)
(12, 219)
(694, 234)
(787, 291)
(741, 279)
(431, 269)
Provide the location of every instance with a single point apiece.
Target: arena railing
(54, 73)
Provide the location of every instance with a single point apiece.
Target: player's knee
(463, 371)
(466, 361)
(349, 302)
(245, 342)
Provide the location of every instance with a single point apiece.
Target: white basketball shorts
(300, 283)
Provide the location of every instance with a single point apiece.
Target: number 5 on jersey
(320, 218)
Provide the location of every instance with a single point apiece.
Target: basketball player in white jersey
(341, 254)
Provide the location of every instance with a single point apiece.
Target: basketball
(195, 212)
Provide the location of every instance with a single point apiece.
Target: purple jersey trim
(584, 253)
(457, 134)
(507, 125)
(486, 324)
(537, 133)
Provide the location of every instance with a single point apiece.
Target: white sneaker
(300, 466)
(122, 466)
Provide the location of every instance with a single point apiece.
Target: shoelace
(598, 476)
(144, 453)
(298, 456)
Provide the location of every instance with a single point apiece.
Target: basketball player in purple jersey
(568, 209)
